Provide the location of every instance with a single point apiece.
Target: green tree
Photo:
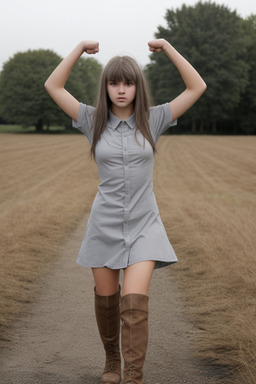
(245, 115)
(23, 99)
(87, 72)
(214, 41)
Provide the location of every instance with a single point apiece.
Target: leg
(106, 281)
(137, 277)
(134, 315)
(107, 297)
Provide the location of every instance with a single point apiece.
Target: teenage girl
(124, 230)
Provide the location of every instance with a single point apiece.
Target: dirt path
(56, 341)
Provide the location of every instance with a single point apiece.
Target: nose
(121, 88)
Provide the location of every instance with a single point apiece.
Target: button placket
(126, 185)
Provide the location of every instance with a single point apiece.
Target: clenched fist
(157, 45)
(89, 46)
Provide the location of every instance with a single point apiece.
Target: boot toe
(110, 378)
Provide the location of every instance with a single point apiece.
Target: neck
(122, 113)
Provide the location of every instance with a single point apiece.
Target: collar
(114, 121)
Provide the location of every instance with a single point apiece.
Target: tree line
(222, 47)
(218, 42)
(23, 99)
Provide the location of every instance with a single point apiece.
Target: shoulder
(85, 111)
(160, 115)
(160, 119)
(84, 119)
(85, 114)
(160, 110)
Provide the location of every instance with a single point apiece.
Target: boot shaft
(134, 316)
(107, 311)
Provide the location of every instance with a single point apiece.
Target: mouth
(121, 98)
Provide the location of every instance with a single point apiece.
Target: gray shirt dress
(124, 226)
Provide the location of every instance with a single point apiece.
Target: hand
(89, 46)
(157, 45)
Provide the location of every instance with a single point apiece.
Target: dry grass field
(205, 188)
(47, 185)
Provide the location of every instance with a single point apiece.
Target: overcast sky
(121, 27)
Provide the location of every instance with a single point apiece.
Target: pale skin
(136, 277)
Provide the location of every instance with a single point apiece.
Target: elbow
(46, 85)
(202, 88)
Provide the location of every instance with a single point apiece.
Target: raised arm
(55, 84)
(195, 85)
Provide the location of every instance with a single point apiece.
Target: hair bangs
(121, 68)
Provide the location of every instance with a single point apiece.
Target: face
(121, 93)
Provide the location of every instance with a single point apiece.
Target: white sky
(121, 27)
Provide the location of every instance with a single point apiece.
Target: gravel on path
(56, 340)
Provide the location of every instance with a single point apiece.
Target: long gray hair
(122, 68)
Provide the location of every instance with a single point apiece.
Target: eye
(112, 83)
(129, 83)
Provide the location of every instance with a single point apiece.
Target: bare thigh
(137, 277)
(106, 281)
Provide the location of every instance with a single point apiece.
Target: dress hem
(159, 264)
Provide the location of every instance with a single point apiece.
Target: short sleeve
(160, 119)
(84, 121)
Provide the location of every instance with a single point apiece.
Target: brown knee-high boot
(107, 312)
(134, 316)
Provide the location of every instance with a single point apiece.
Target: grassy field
(47, 185)
(205, 188)
(9, 128)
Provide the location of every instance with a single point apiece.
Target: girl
(124, 230)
